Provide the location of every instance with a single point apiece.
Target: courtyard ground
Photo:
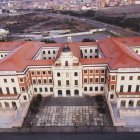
(72, 112)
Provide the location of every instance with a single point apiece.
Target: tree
(88, 40)
(48, 41)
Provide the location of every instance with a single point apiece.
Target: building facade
(110, 67)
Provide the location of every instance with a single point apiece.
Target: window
(49, 52)
(102, 80)
(96, 71)
(123, 102)
(121, 88)
(15, 90)
(90, 88)
(66, 63)
(53, 51)
(131, 78)
(91, 71)
(122, 78)
(49, 57)
(136, 51)
(33, 73)
(90, 56)
(51, 89)
(112, 87)
(50, 81)
(96, 88)
(137, 88)
(44, 72)
(22, 89)
(76, 82)
(96, 50)
(21, 80)
(68, 92)
(45, 81)
(44, 58)
(58, 74)
(5, 80)
(138, 103)
(113, 77)
(91, 80)
(35, 89)
(129, 88)
(49, 72)
(85, 80)
(46, 89)
(131, 103)
(34, 81)
(76, 92)
(85, 71)
(138, 77)
(24, 97)
(85, 51)
(44, 52)
(111, 96)
(59, 92)
(40, 89)
(12, 80)
(1, 92)
(39, 81)
(85, 88)
(75, 74)
(90, 50)
(85, 56)
(67, 82)
(8, 91)
(59, 83)
(96, 80)
(38, 72)
(102, 71)
(102, 88)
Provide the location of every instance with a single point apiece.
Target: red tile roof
(117, 53)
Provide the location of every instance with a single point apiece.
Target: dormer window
(66, 63)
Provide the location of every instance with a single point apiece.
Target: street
(69, 136)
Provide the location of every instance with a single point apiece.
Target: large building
(110, 67)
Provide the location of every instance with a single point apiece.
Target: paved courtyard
(70, 116)
(69, 112)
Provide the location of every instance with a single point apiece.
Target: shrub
(99, 98)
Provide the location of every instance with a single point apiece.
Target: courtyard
(69, 112)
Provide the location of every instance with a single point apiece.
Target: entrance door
(59, 92)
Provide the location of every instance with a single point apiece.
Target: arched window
(131, 103)
(59, 92)
(6, 104)
(76, 92)
(68, 92)
(66, 63)
(123, 102)
(58, 74)
(0, 105)
(138, 103)
(75, 74)
(14, 105)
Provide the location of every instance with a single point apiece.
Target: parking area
(73, 111)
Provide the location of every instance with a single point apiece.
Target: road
(97, 24)
(70, 136)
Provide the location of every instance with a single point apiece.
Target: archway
(76, 92)
(59, 92)
(68, 92)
